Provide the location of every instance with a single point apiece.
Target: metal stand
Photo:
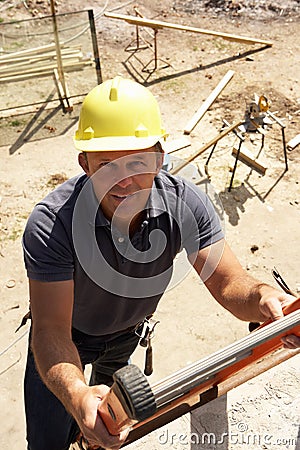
(241, 140)
(252, 163)
(140, 43)
(282, 126)
(235, 165)
(95, 45)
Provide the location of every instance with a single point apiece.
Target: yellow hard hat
(118, 114)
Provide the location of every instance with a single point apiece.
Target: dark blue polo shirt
(118, 280)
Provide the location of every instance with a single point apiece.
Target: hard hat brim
(116, 143)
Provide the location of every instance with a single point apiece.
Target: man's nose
(125, 182)
(123, 176)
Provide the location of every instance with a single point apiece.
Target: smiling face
(122, 180)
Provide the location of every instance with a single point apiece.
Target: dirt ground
(260, 214)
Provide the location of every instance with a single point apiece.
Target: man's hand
(241, 294)
(89, 420)
(271, 305)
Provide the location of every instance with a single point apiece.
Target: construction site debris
(10, 283)
(293, 142)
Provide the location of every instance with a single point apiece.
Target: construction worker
(99, 254)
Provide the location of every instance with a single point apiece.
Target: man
(99, 254)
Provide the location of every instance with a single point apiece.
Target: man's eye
(135, 164)
(103, 164)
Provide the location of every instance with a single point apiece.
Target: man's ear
(83, 162)
(159, 160)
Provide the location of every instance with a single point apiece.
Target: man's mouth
(121, 197)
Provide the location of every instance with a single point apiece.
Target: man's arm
(237, 291)
(58, 361)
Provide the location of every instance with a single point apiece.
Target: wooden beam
(60, 70)
(269, 113)
(208, 102)
(176, 144)
(63, 92)
(246, 157)
(10, 58)
(35, 65)
(29, 51)
(42, 72)
(206, 146)
(157, 24)
(42, 68)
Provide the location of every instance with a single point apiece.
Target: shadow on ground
(42, 124)
(234, 202)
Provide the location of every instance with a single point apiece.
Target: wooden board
(176, 144)
(248, 158)
(205, 147)
(156, 24)
(208, 102)
(293, 142)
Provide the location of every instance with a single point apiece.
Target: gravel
(262, 9)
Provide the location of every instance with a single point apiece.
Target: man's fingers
(291, 341)
(272, 308)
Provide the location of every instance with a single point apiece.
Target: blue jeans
(49, 425)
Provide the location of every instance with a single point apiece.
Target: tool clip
(146, 333)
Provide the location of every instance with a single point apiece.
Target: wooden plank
(269, 113)
(63, 92)
(30, 51)
(176, 144)
(39, 56)
(11, 69)
(39, 69)
(60, 70)
(206, 146)
(44, 73)
(248, 158)
(208, 102)
(293, 142)
(157, 24)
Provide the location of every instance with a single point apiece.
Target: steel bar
(235, 164)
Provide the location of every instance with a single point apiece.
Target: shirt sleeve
(47, 248)
(201, 223)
